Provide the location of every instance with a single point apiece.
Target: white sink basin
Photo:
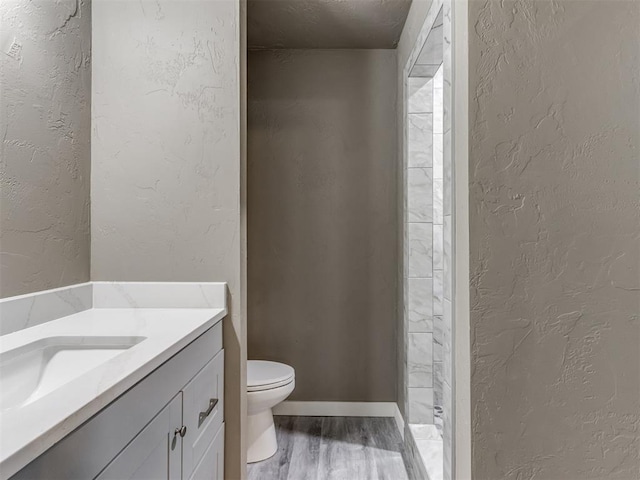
(29, 372)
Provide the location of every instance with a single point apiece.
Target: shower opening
(428, 248)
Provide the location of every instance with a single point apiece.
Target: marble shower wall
(418, 262)
(428, 299)
(447, 244)
(438, 246)
(425, 253)
(425, 51)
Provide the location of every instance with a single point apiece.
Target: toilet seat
(263, 375)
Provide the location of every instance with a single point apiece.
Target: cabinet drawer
(203, 412)
(211, 466)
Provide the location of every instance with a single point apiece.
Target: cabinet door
(155, 453)
(211, 466)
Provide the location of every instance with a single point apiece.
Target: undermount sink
(31, 371)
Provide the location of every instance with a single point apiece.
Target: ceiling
(325, 23)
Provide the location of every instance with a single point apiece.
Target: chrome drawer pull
(203, 415)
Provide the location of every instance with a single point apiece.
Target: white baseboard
(337, 409)
(397, 416)
(342, 409)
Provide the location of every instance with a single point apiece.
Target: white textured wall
(555, 239)
(45, 82)
(166, 179)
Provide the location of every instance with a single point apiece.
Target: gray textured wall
(45, 85)
(555, 230)
(322, 219)
(166, 152)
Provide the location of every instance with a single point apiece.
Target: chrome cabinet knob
(182, 431)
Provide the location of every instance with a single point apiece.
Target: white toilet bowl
(268, 384)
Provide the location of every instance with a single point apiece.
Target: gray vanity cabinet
(181, 437)
(168, 426)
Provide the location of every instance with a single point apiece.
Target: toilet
(268, 384)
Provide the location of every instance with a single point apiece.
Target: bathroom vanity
(126, 389)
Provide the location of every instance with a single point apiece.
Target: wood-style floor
(334, 448)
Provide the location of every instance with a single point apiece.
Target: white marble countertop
(29, 430)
